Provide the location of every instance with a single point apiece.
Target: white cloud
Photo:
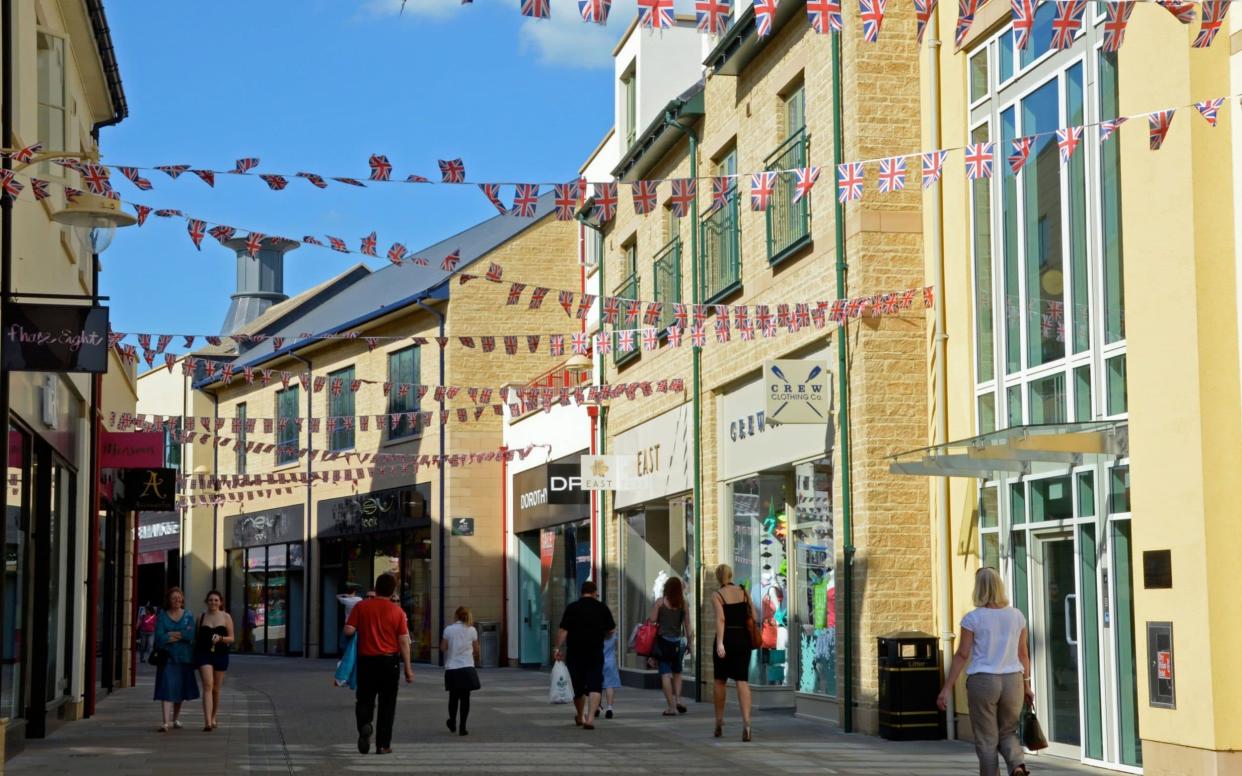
(566, 40)
(438, 9)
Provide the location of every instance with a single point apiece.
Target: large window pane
(1041, 35)
(242, 434)
(989, 507)
(1041, 225)
(1089, 644)
(341, 410)
(1116, 373)
(981, 223)
(1110, 207)
(1047, 399)
(1009, 250)
(287, 409)
(256, 603)
(759, 530)
(1119, 490)
(814, 551)
(1051, 499)
(658, 544)
(1082, 394)
(1127, 665)
(979, 74)
(1079, 320)
(1013, 405)
(987, 413)
(403, 374)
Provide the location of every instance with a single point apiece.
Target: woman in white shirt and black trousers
(460, 647)
(994, 642)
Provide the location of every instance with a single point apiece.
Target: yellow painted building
(1085, 391)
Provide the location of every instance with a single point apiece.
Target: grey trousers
(995, 702)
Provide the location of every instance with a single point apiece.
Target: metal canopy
(1021, 449)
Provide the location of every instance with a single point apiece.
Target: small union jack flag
(804, 181)
(162, 213)
(594, 10)
(11, 185)
(275, 182)
(197, 230)
(1068, 139)
(1021, 152)
(350, 182)
(1184, 12)
(96, 178)
(923, 9)
(651, 339)
(655, 14)
(515, 293)
(396, 253)
(979, 160)
(765, 14)
(492, 192)
(254, 241)
(452, 171)
(712, 16)
(381, 168)
(27, 154)
(610, 307)
(142, 211)
(762, 184)
(965, 18)
(685, 190)
(40, 189)
(369, 244)
(605, 201)
(1109, 126)
(525, 200)
(892, 174)
(494, 271)
(1067, 22)
(565, 200)
(222, 233)
(1116, 17)
(206, 176)
(1022, 12)
(1213, 18)
(644, 194)
(416, 179)
(337, 244)
(1158, 125)
(933, 167)
(850, 181)
(131, 173)
(312, 240)
(243, 166)
(1210, 110)
(173, 170)
(578, 343)
(872, 12)
(722, 188)
(316, 181)
(450, 261)
(824, 15)
(537, 9)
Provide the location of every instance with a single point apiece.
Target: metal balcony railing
(627, 289)
(720, 259)
(788, 222)
(667, 287)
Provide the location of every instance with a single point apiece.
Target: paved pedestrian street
(284, 716)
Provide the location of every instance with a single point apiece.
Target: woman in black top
(731, 659)
(211, 655)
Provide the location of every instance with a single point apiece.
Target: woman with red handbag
(672, 622)
(736, 636)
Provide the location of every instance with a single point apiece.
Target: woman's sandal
(162, 728)
(669, 713)
(1021, 770)
(719, 729)
(746, 733)
(681, 709)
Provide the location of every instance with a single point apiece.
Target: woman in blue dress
(612, 677)
(174, 679)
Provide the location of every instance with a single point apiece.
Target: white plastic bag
(562, 690)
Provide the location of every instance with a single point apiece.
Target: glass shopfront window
(17, 480)
(760, 565)
(814, 579)
(266, 585)
(658, 544)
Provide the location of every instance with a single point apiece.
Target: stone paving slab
(283, 716)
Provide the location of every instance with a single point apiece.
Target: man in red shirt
(383, 638)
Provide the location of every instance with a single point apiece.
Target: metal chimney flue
(260, 280)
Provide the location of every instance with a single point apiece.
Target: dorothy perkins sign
(798, 390)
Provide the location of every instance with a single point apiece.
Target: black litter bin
(909, 683)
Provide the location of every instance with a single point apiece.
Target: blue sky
(319, 85)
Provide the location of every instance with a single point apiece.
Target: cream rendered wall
(666, 62)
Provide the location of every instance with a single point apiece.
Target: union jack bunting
(368, 244)
(872, 13)
(651, 339)
(1116, 17)
(965, 18)
(396, 253)
(142, 211)
(162, 213)
(131, 173)
(578, 343)
(515, 293)
(96, 178)
(1021, 152)
(824, 15)
(849, 181)
(653, 313)
(644, 194)
(492, 192)
(419, 261)
(566, 300)
(525, 199)
(243, 166)
(450, 261)
(565, 200)
(1109, 126)
(316, 181)
(275, 182)
(765, 13)
(655, 14)
(1184, 12)
(722, 187)
(538, 9)
(1213, 17)
(1067, 22)
(674, 336)
(312, 240)
(762, 185)
(254, 241)
(11, 185)
(416, 179)
(605, 201)
(594, 10)
(712, 16)
(892, 174)
(804, 181)
(1023, 14)
(684, 192)
(556, 345)
(1158, 124)
(173, 170)
(494, 271)
(536, 297)
(197, 230)
(381, 168)
(40, 189)
(27, 154)
(452, 171)
(348, 182)
(698, 336)
(1068, 139)
(923, 9)
(206, 176)
(603, 346)
(1209, 109)
(610, 307)
(933, 167)
(979, 160)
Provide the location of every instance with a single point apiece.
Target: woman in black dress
(211, 655)
(732, 657)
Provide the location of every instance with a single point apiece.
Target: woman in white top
(994, 642)
(460, 647)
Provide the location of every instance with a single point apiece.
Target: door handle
(1069, 619)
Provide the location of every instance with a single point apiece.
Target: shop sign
(271, 526)
(565, 484)
(159, 531)
(131, 449)
(55, 338)
(799, 390)
(656, 458)
(607, 472)
(749, 442)
(549, 494)
(463, 526)
(385, 510)
(147, 490)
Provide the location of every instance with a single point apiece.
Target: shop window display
(816, 583)
(659, 543)
(760, 530)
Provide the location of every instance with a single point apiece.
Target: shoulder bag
(1031, 732)
(756, 636)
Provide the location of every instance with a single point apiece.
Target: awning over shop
(1018, 450)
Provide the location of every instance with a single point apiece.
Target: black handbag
(158, 657)
(1031, 732)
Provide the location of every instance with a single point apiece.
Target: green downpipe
(669, 120)
(843, 415)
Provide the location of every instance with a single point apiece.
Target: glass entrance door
(530, 601)
(1055, 636)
